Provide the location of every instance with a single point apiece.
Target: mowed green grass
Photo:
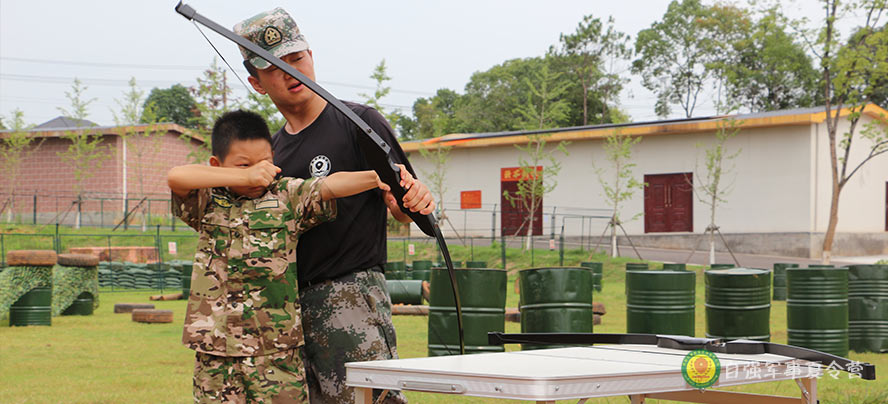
(107, 358)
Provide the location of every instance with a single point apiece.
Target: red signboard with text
(470, 200)
(513, 218)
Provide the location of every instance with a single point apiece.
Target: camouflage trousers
(347, 319)
(277, 378)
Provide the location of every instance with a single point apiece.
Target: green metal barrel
(821, 266)
(476, 264)
(82, 306)
(817, 309)
(33, 308)
(637, 266)
(555, 300)
(868, 308)
(187, 268)
(738, 304)
(660, 302)
(482, 293)
(422, 270)
(721, 266)
(395, 270)
(674, 266)
(779, 280)
(597, 273)
(405, 291)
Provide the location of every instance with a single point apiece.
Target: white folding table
(580, 373)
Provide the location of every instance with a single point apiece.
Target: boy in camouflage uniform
(243, 316)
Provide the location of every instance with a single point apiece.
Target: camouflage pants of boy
(347, 319)
(278, 378)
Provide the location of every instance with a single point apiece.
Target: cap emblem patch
(272, 36)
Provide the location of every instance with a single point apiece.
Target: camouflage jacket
(244, 297)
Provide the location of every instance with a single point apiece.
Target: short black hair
(251, 69)
(237, 125)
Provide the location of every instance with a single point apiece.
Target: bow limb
(375, 149)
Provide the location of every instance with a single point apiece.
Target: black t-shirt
(356, 240)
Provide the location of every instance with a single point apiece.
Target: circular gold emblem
(700, 369)
(272, 36)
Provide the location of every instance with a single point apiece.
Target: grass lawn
(107, 358)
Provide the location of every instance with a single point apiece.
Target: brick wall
(44, 174)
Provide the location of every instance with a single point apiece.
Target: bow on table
(375, 150)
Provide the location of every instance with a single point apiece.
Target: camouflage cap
(275, 31)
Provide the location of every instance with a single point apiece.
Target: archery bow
(375, 149)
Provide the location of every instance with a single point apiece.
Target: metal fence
(95, 210)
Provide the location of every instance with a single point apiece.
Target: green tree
(380, 76)
(174, 104)
(262, 105)
(621, 184)
(493, 98)
(86, 153)
(138, 142)
(539, 170)
(545, 106)
(711, 188)
(395, 118)
(587, 53)
(672, 56)
(763, 67)
(436, 115)
(212, 96)
(851, 75)
(15, 147)
(436, 178)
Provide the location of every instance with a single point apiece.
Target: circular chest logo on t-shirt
(320, 166)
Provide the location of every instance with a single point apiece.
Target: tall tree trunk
(613, 225)
(829, 237)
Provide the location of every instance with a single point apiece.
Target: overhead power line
(181, 67)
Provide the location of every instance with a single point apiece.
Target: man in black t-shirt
(345, 306)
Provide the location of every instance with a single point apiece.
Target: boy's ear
(215, 162)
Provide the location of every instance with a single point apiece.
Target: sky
(427, 45)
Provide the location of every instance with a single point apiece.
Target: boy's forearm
(348, 183)
(183, 179)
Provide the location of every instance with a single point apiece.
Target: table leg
(809, 390)
(363, 395)
(637, 398)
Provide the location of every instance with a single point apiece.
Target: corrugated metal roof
(796, 116)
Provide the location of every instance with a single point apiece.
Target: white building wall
(862, 202)
(771, 185)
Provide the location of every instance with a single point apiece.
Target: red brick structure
(49, 179)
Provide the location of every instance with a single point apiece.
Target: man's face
(285, 91)
(244, 154)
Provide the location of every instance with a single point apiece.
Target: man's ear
(256, 86)
(215, 162)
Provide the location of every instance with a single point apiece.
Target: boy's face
(244, 154)
(284, 90)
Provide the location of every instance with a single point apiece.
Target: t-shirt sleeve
(303, 198)
(192, 207)
(381, 126)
